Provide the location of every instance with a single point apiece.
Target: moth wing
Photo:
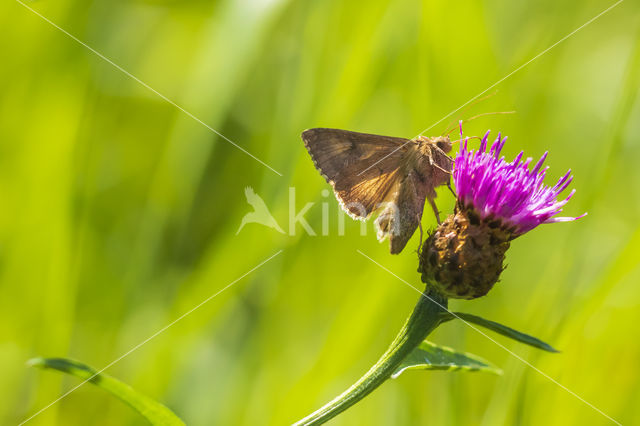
(362, 168)
(360, 200)
(402, 215)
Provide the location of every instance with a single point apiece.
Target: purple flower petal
(508, 191)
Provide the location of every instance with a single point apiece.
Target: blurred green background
(119, 212)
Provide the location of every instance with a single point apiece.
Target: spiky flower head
(497, 201)
(508, 191)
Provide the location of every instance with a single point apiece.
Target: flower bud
(463, 257)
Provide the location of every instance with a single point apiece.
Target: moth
(392, 175)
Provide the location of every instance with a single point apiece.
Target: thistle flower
(508, 192)
(497, 202)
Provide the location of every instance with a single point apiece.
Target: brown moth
(372, 172)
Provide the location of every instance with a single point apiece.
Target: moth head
(444, 143)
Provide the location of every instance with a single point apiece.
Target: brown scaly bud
(463, 257)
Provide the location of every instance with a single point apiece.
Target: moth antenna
(450, 128)
(468, 137)
(461, 122)
(453, 128)
(485, 113)
(477, 101)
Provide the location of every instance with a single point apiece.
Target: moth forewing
(401, 221)
(362, 168)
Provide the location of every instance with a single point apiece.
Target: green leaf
(153, 411)
(500, 329)
(429, 356)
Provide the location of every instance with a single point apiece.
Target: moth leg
(432, 163)
(450, 188)
(438, 167)
(435, 210)
(421, 235)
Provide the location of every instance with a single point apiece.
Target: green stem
(425, 318)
